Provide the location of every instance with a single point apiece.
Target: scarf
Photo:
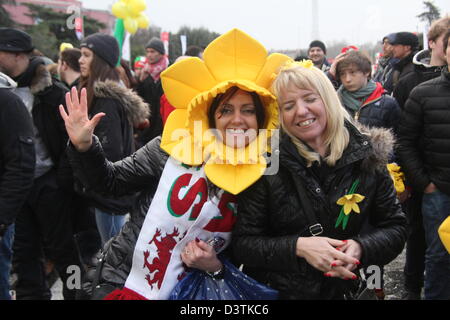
(181, 211)
(155, 69)
(354, 100)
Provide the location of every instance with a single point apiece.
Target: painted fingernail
(338, 249)
(197, 240)
(333, 265)
(354, 277)
(344, 241)
(327, 275)
(357, 263)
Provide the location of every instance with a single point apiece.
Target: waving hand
(78, 125)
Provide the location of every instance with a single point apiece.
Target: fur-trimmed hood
(382, 142)
(42, 79)
(137, 110)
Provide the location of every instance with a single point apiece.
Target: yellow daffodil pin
(349, 203)
(444, 233)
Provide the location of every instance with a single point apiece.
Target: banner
(165, 40)
(183, 40)
(126, 50)
(79, 29)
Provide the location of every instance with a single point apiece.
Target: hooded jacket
(424, 135)
(422, 72)
(271, 216)
(48, 93)
(123, 109)
(17, 154)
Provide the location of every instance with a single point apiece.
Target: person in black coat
(17, 163)
(43, 228)
(424, 149)
(295, 230)
(428, 64)
(123, 109)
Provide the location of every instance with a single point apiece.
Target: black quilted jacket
(271, 217)
(424, 135)
(138, 173)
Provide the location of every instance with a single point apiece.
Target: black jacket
(382, 112)
(422, 72)
(271, 217)
(139, 173)
(151, 92)
(17, 154)
(123, 109)
(424, 135)
(402, 69)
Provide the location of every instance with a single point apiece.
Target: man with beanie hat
(43, 224)
(150, 88)
(317, 53)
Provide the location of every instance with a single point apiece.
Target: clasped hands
(336, 258)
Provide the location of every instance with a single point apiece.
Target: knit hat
(318, 44)
(406, 39)
(14, 40)
(104, 46)
(156, 44)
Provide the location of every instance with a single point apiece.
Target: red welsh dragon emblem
(164, 250)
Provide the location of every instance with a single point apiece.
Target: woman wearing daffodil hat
(213, 147)
(330, 209)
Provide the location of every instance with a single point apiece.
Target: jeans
(435, 209)
(108, 224)
(5, 262)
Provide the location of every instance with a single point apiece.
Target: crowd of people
(95, 173)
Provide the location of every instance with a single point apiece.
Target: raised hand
(78, 125)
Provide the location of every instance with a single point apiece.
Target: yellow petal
(444, 233)
(358, 198)
(273, 63)
(355, 207)
(238, 178)
(342, 201)
(347, 208)
(184, 80)
(235, 55)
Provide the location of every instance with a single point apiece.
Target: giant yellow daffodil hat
(233, 59)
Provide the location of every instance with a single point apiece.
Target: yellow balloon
(131, 25)
(119, 10)
(143, 21)
(136, 6)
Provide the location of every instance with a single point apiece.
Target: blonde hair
(336, 135)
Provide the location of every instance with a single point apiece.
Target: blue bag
(235, 285)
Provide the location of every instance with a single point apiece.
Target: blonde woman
(306, 230)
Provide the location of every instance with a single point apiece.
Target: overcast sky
(287, 24)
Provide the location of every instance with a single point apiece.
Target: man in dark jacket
(428, 64)
(424, 148)
(386, 65)
(405, 46)
(43, 225)
(17, 161)
(317, 53)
